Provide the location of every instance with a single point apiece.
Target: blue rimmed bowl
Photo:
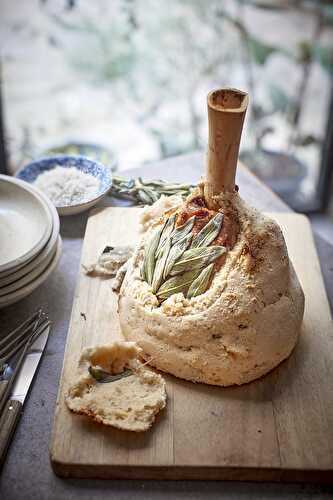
(32, 170)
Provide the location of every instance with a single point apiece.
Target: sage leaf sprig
(175, 253)
(146, 192)
(149, 261)
(209, 232)
(166, 233)
(172, 264)
(104, 377)
(177, 284)
(160, 265)
(196, 258)
(181, 231)
(200, 284)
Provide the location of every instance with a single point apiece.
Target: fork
(6, 385)
(14, 341)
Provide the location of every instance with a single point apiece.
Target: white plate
(31, 276)
(11, 298)
(25, 223)
(11, 276)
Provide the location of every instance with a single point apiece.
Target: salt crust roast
(243, 326)
(130, 403)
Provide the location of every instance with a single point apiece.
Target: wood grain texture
(8, 422)
(277, 428)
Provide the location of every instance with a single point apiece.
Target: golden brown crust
(195, 205)
(244, 325)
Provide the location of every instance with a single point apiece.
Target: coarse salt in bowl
(73, 183)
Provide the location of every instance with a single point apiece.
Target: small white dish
(77, 209)
(30, 172)
(10, 276)
(14, 297)
(25, 223)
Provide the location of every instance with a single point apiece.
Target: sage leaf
(181, 231)
(175, 253)
(148, 267)
(166, 233)
(209, 232)
(103, 377)
(160, 265)
(196, 258)
(200, 284)
(177, 284)
(145, 197)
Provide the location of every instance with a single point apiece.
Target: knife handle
(3, 386)
(8, 421)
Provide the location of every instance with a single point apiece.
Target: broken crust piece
(130, 403)
(109, 261)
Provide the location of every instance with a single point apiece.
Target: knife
(13, 408)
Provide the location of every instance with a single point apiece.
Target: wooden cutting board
(277, 428)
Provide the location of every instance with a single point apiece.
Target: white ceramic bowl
(25, 223)
(31, 276)
(9, 277)
(30, 172)
(80, 207)
(17, 295)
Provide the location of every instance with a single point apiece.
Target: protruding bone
(226, 113)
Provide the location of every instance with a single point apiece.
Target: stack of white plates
(30, 244)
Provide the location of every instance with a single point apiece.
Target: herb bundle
(146, 192)
(175, 261)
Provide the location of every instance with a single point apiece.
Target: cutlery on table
(11, 344)
(15, 382)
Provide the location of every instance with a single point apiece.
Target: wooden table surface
(27, 473)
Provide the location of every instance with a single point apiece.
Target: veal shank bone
(226, 113)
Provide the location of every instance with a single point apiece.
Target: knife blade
(13, 408)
